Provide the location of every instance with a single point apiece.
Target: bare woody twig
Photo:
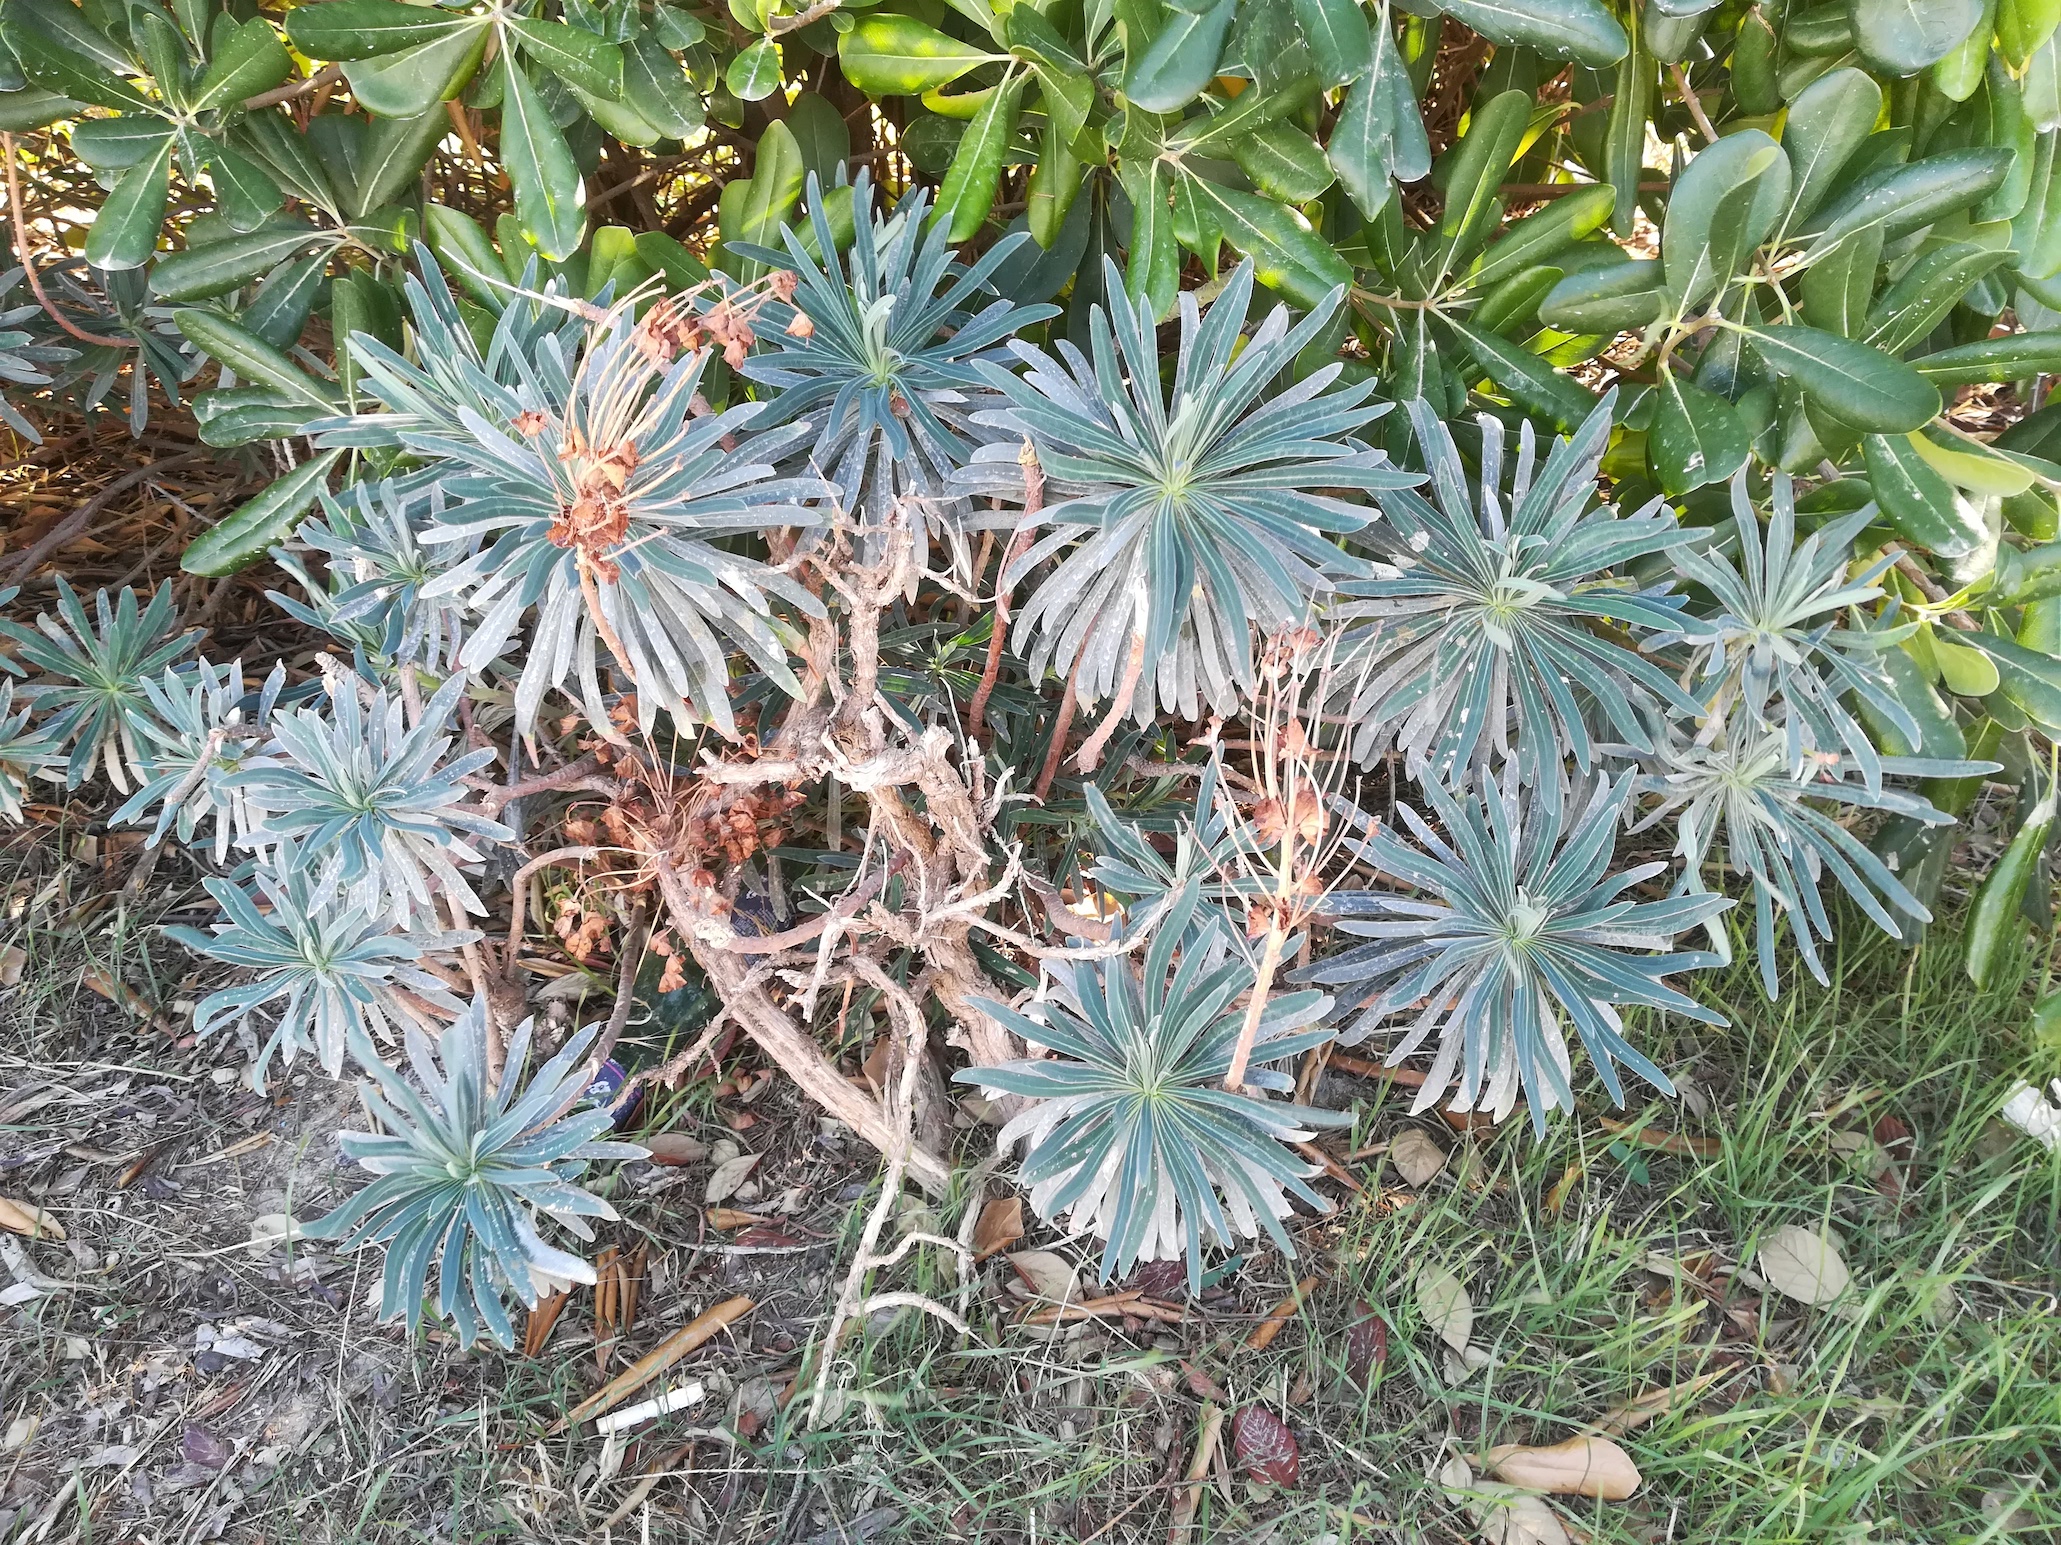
(1033, 504)
(21, 247)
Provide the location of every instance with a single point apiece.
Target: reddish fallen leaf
(1265, 1447)
(1160, 1279)
(204, 1448)
(766, 1236)
(1366, 1343)
(1202, 1384)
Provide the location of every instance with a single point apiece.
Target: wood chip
(1277, 1318)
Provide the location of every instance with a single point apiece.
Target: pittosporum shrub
(1131, 543)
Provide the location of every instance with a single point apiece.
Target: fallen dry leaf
(1445, 1306)
(1188, 1498)
(1503, 1514)
(733, 1217)
(1000, 1226)
(1047, 1275)
(1265, 1447)
(724, 1180)
(268, 1230)
(29, 1219)
(1650, 1404)
(1415, 1156)
(1204, 1386)
(1515, 1518)
(1802, 1264)
(12, 959)
(1366, 1344)
(1579, 1467)
(675, 1148)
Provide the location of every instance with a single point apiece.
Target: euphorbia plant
(673, 485)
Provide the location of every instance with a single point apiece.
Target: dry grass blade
(607, 1289)
(695, 1333)
(1208, 1433)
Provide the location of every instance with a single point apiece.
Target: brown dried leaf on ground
(28, 1219)
(1654, 1403)
(1366, 1343)
(1000, 1226)
(1445, 1306)
(1579, 1467)
(1803, 1264)
(1415, 1156)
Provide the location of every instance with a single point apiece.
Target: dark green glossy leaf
(2014, 357)
(1903, 198)
(1862, 385)
(888, 54)
(365, 29)
(1696, 437)
(222, 266)
(540, 164)
(1287, 254)
(1722, 206)
(116, 144)
(1922, 505)
(1181, 59)
(1610, 299)
(253, 358)
(1283, 162)
(1837, 288)
(1829, 120)
(968, 192)
(253, 60)
(754, 74)
(394, 151)
(125, 231)
(1904, 36)
(577, 56)
(1582, 30)
(1339, 39)
(411, 82)
(261, 524)
(280, 309)
(246, 195)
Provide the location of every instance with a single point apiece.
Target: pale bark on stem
(1090, 755)
(1033, 504)
(1263, 984)
(792, 1049)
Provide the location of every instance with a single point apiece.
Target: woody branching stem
(1286, 841)
(1033, 505)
